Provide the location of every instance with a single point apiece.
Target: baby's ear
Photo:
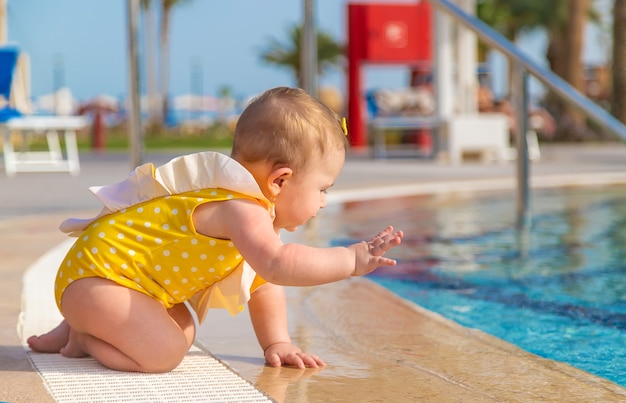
(277, 178)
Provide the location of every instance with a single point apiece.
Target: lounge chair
(15, 119)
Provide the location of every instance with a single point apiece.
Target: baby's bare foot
(73, 347)
(51, 342)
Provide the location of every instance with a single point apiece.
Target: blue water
(559, 292)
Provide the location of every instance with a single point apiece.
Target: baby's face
(304, 194)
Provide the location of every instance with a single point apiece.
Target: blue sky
(87, 41)
(88, 38)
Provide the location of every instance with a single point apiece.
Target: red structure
(383, 34)
(97, 107)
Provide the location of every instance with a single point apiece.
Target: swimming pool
(561, 294)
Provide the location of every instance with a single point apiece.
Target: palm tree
(565, 58)
(510, 17)
(618, 101)
(150, 47)
(564, 22)
(329, 52)
(164, 53)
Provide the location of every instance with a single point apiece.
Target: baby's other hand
(369, 255)
(280, 354)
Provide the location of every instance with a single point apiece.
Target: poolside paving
(379, 347)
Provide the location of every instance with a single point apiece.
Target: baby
(203, 229)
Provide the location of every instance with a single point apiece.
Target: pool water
(558, 292)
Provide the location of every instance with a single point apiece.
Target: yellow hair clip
(344, 126)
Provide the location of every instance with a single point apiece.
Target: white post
(308, 56)
(467, 64)
(134, 121)
(443, 73)
(154, 106)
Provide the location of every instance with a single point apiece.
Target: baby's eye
(325, 191)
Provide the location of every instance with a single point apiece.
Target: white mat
(199, 378)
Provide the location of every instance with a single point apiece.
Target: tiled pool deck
(378, 347)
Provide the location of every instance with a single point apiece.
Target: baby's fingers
(379, 245)
(396, 239)
(273, 360)
(382, 234)
(385, 261)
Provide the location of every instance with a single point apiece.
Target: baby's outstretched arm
(369, 255)
(252, 231)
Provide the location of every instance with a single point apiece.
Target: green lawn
(117, 139)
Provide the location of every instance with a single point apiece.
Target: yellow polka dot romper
(152, 247)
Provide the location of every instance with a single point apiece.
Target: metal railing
(523, 66)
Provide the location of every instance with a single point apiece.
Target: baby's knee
(166, 360)
(161, 367)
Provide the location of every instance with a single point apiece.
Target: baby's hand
(369, 255)
(279, 354)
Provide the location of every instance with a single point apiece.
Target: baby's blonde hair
(287, 126)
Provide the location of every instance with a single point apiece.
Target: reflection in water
(555, 291)
(275, 381)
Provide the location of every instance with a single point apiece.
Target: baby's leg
(51, 342)
(124, 329)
